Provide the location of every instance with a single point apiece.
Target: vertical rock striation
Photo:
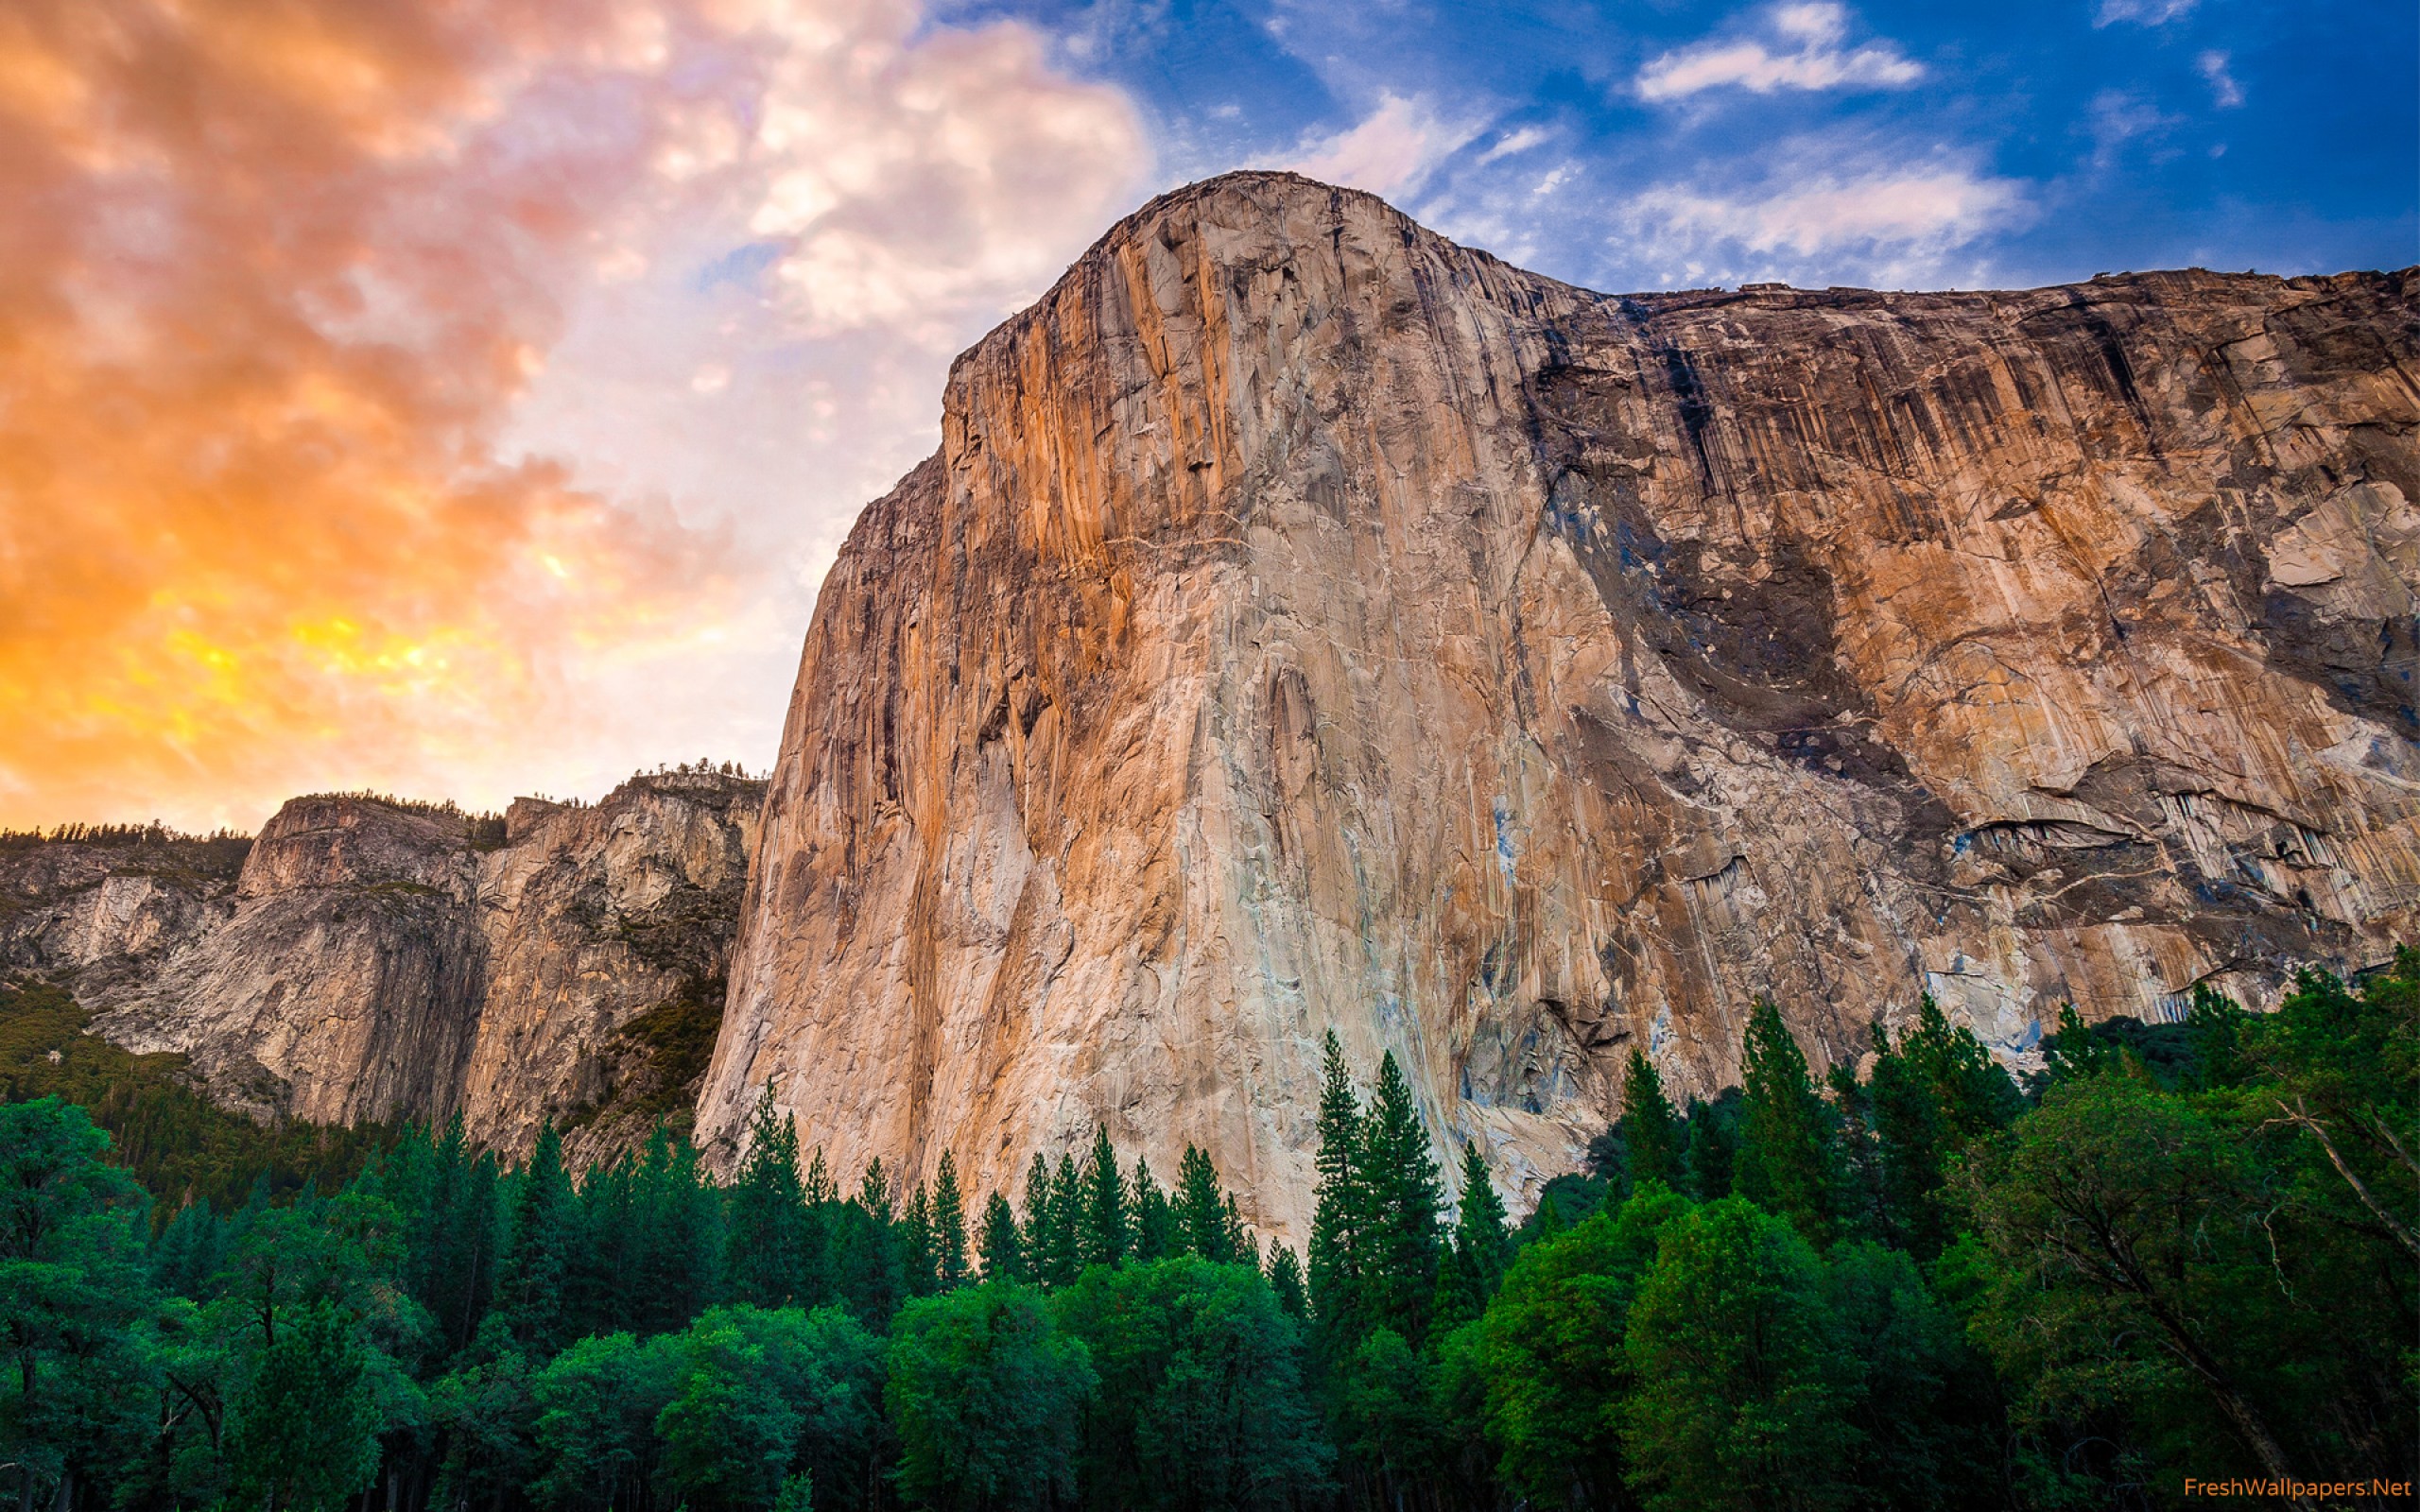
(1308, 624)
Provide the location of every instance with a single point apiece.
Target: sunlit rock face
(379, 961)
(1308, 624)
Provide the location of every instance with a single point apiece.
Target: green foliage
(985, 1394)
(1474, 1267)
(179, 1146)
(1550, 1350)
(2199, 1245)
(541, 1248)
(598, 1404)
(1787, 1162)
(305, 1433)
(762, 1394)
(1200, 1208)
(949, 1228)
(1201, 1404)
(1737, 1403)
(1104, 1235)
(73, 1287)
(1652, 1131)
(1002, 1246)
(764, 1258)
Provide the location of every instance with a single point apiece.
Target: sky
(466, 399)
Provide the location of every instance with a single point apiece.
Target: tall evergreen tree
(1405, 1198)
(305, 1432)
(1002, 1246)
(1482, 1246)
(1151, 1220)
(1106, 1237)
(916, 1244)
(532, 1285)
(676, 1246)
(1286, 1281)
(1650, 1128)
(1714, 1147)
(1340, 1219)
(1786, 1163)
(1062, 1257)
(1034, 1233)
(1201, 1207)
(766, 1207)
(949, 1228)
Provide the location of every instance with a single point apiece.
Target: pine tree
(533, 1283)
(1106, 1238)
(1650, 1128)
(2074, 1051)
(949, 1228)
(1338, 1218)
(1239, 1240)
(874, 1192)
(1063, 1255)
(1482, 1246)
(1200, 1208)
(1786, 1160)
(1153, 1222)
(916, 1244)
(601, 1298)
(1405, 1197)
(1714, 1147)
(677, 1238)
(1001, 1246)
(1034, 1236)
(767, 1207)
(1286, 1281)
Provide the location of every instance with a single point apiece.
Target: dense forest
(2184, 1250)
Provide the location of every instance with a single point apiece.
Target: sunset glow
(462, 400)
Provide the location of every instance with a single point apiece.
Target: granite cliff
(366, 959)
(1309, 624)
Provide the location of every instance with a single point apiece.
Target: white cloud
(2116, 118)
(1811, 222)
(2143, 13)
(1390, 152)
(2224, 91)
(1521, 140)
(849, 192)
(1804, 54)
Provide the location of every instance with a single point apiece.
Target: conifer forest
(2186, 1249)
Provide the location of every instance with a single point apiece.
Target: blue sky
(1655, 144)
(502, 439)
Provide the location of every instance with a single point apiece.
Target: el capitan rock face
(372, 960)
(1309, 624)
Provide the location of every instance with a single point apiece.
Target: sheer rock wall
(371, 962)
(1308, 624)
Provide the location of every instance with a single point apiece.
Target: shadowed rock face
(1309, 624)
(371, 961)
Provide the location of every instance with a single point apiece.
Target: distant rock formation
(1307, 623)
(375, 960)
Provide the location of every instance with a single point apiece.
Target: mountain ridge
(1293, 403)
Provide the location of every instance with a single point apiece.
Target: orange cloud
(297, 297)
(271, 275)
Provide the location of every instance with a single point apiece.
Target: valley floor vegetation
(2185, 1250)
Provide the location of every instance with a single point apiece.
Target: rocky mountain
(1309, 624)
(368, 959)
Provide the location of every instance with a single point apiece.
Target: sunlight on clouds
(1816, 61)
(1389, 152)
(1880, 224)
(289, 278)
